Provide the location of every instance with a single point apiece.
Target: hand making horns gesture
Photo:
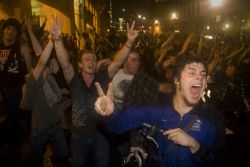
(104, 104)
(56, 29)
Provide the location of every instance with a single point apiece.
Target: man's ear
(176, 82)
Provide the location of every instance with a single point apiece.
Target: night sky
(143, 7)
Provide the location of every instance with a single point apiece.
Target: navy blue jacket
(208, 129)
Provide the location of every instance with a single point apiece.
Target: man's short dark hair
(85, 51)
(12, 22)
(188, 59)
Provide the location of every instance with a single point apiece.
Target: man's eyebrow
(191, 68)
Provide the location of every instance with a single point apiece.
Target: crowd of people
(53, 91)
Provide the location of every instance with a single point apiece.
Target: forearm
(167, 42)
(25, 50)
(35, 43)
(43, 60)
(200, 45)
(185, 46)
(63, 58)
(232, 55)
(62, 53)
(121, 55)
(243, 55)
(119, 58)
(46, 53)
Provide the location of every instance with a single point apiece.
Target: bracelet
(57, 38)
(127, 46)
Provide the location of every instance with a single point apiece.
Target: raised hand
(28, 22)
(104, 104)
(131, 32)
(56, 29)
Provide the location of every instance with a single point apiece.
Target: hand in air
(104, 104)
(28, 22)
(56, 29)
(131, 32)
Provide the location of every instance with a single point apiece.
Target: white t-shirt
(121, 82)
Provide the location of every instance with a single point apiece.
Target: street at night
(124, 83)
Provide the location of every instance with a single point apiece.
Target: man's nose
(198, 77)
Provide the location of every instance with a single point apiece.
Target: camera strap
(185, 129)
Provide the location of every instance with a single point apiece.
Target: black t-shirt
(84, 117)
(12, 66)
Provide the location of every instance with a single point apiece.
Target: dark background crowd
(228, 83)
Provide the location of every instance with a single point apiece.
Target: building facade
(76, 14)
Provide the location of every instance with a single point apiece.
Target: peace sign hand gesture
(104, 104)
(131, 32)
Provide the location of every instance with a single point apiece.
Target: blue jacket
(208, 129)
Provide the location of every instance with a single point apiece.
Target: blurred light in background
(174, 16)
(216, 3)
(208, 37)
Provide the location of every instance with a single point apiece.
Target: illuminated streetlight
(139, 16)
(208, 27)
(174, 16)
(216, 3)
(156, 21)
(144, 18)
(123, 10)
(227, 26)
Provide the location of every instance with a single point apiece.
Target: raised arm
(167, 42)
(122, 54)
(35, 42)
(25, 52)
(186, 44)
(43, 60)
(244, 54)
(233, 54)
(201, 41)
(61, 52)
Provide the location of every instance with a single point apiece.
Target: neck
(88, 78)
(181, 106)
(126, 71)
(8, 42)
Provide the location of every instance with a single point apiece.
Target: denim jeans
(83, 145)
(55, 135)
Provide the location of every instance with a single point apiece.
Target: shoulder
(75, 80)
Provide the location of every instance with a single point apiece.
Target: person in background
(15, 63)
(86, 133)
(41, 95)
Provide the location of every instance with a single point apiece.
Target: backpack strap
(185, 129)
